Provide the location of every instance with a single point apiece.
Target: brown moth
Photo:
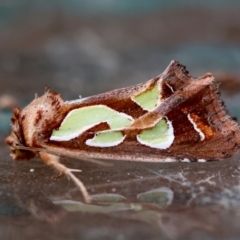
(172, 117)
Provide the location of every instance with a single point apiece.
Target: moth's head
(16, 139)
(33, 124)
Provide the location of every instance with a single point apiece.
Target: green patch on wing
(106, 139)
(161, 136)
(82, 119)
(148, 100)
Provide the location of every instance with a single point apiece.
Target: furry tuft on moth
(172, 117)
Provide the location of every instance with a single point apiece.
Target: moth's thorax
(41, 116)
(34, 123)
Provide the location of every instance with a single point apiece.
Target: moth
(172, 117)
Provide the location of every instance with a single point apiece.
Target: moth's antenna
(91, 160)
(80, 157)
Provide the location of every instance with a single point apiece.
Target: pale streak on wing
(197, 129)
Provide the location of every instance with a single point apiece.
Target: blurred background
(86, 47)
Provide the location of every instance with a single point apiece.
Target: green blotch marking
(148, 100)
(80, 120)
(161, 136)
(106, 139)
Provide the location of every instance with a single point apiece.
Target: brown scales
(181, 94)
(202, 124)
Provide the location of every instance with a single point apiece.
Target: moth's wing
(124, 100)
(116, 110)
(119, 100)
(202, 127)
(172, 102)
(212, 133)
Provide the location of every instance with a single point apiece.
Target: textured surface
(133, 201)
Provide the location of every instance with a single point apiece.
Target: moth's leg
(53, 160)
